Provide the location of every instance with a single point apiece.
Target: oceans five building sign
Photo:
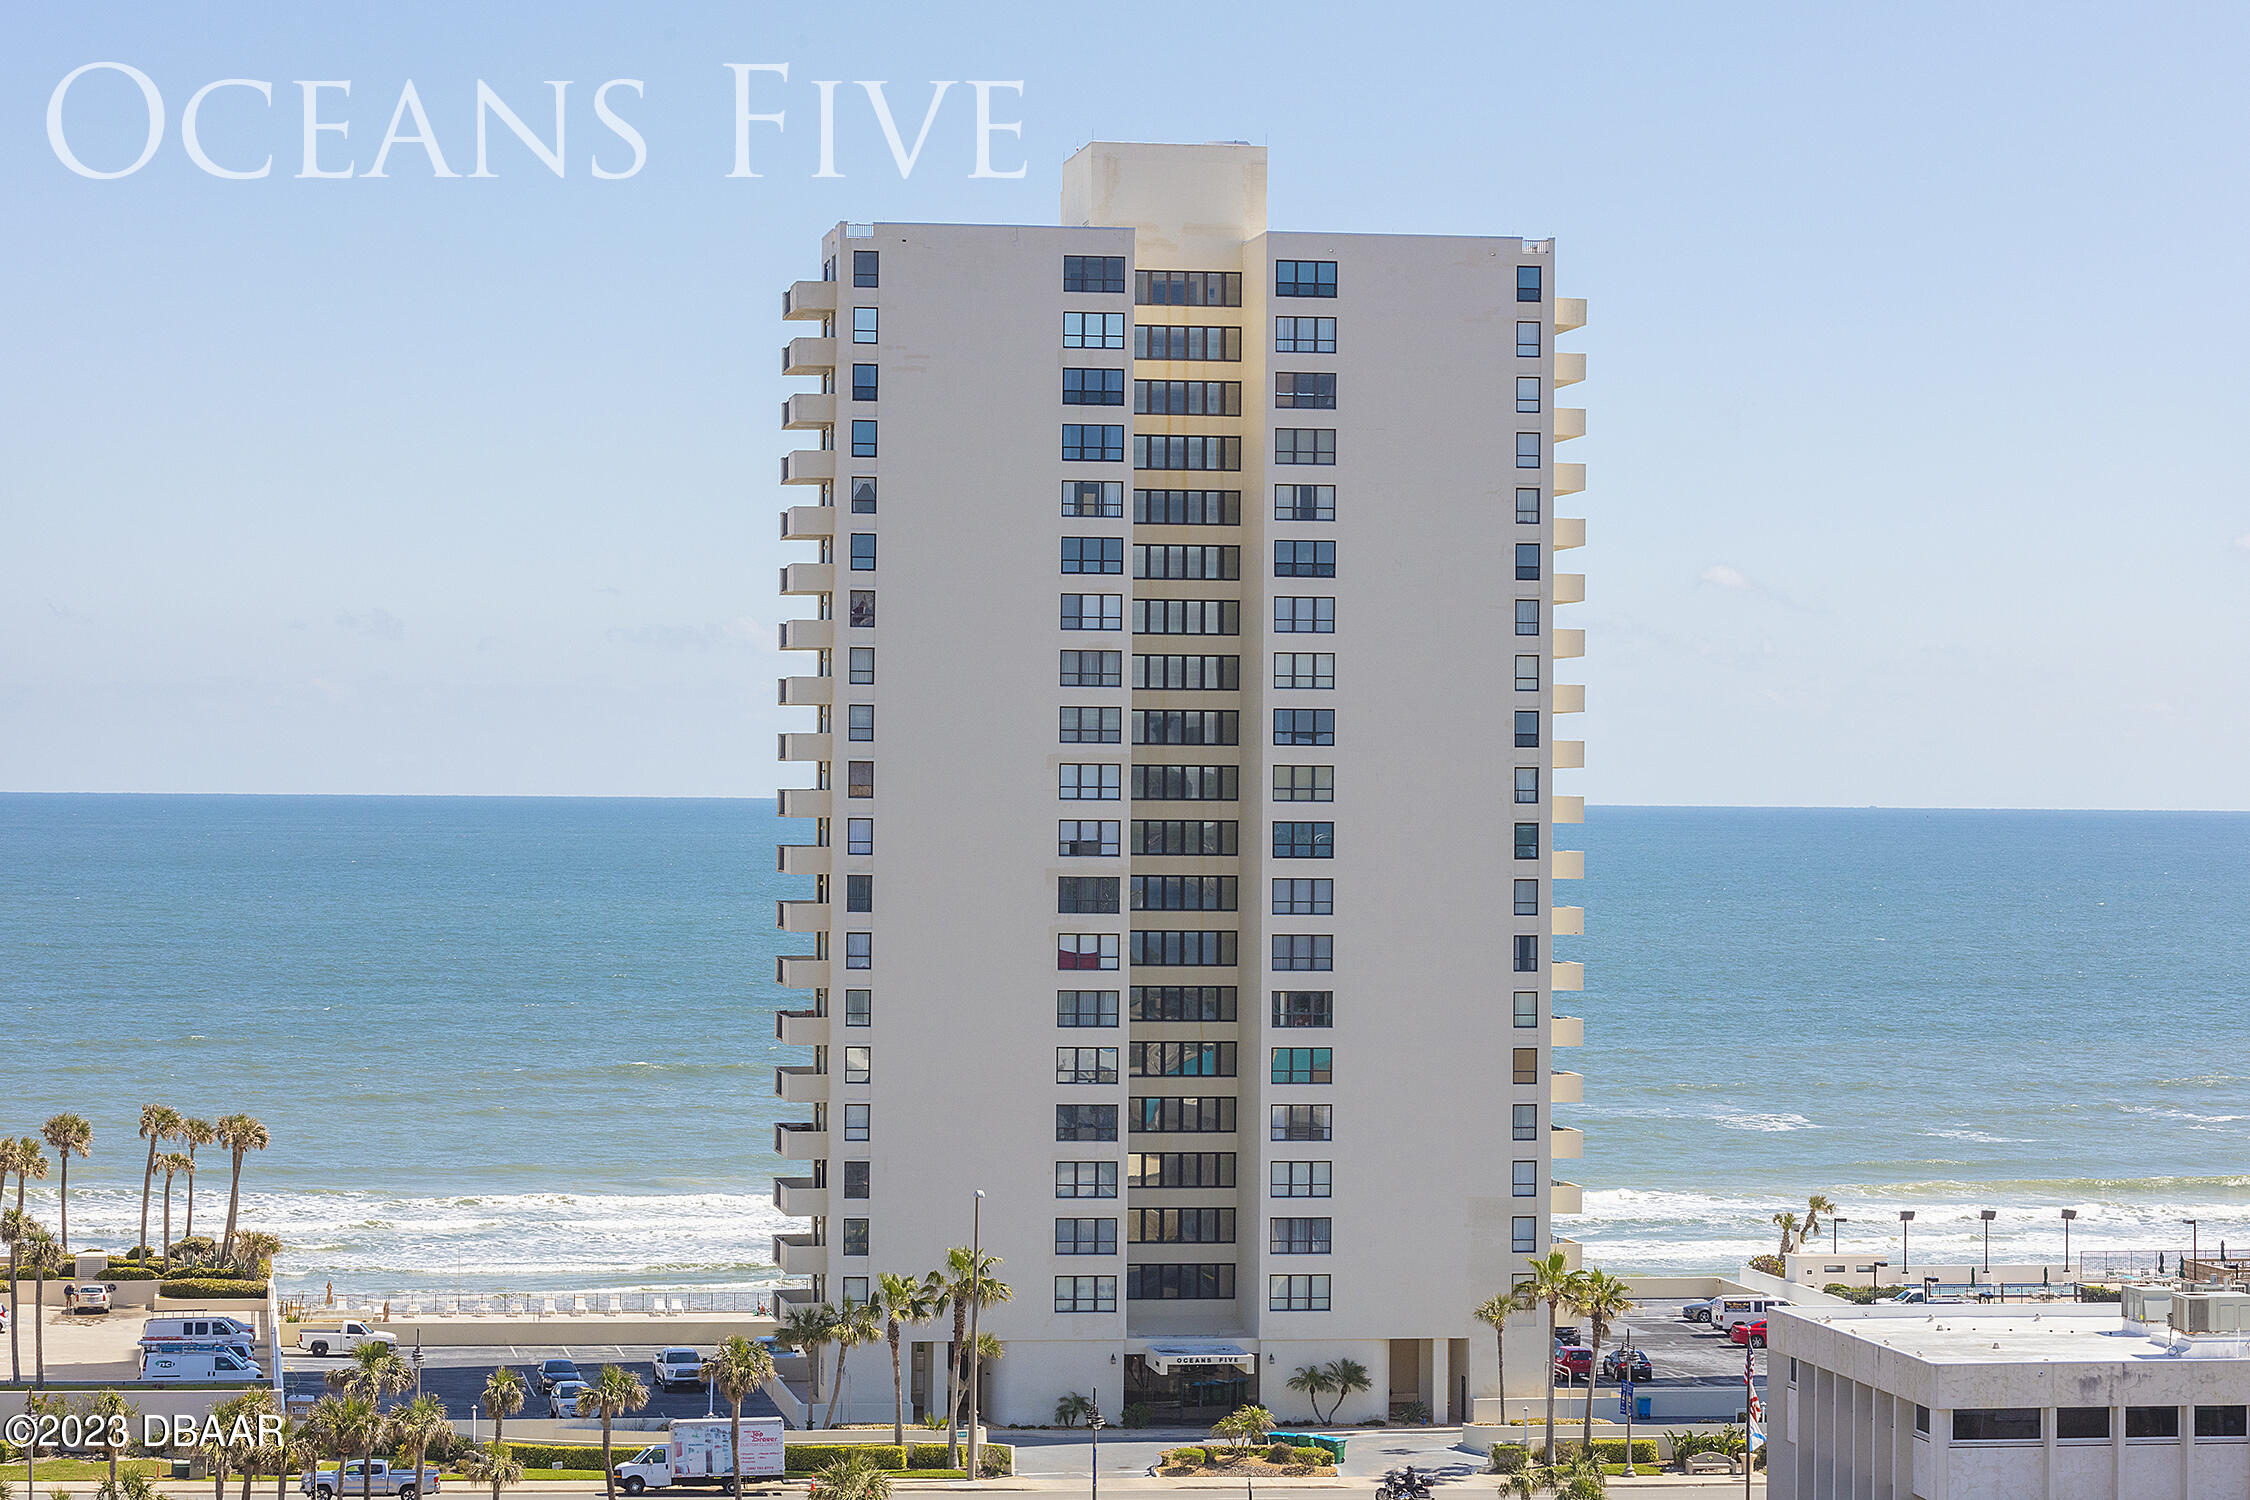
(324, 148)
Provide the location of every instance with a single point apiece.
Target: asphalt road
(456, 1376)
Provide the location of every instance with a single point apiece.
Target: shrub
(996, 1461)
(925, 1455)
(1191, 1458)
(1281, 1453)
(1612, 1450)
(119, 1270)
(548, 1455)
(1412, 1413)
(1317, 1457)
(1510, 1458)
(1770, 1264)
(210, 1289)
(1071, 1407)
(2101, 1294)
(1135, 1414)
(804, 1457)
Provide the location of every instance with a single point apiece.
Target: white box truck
(697, 1452)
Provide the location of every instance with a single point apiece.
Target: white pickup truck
(340, 1337)
(380, 1479)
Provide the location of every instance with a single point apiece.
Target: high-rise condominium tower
(1181, 671)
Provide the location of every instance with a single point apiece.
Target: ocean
(527, 1044)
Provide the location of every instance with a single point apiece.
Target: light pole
(1905, 1217)
(1833, 1221)
(1988, 1215)
(976, 1299)
(1096, 1424)
(2067, 1215)
(1627, 1398)
(2193, 1252)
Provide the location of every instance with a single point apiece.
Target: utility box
(2211, 1312)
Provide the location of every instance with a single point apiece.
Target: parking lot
(1680, 1351)
(457, 1376)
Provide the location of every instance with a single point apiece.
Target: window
(859, 778)
(1527, 450)
(858, 1007)
(855, 1290)
(1527, 283)
(1527, 728)
(1086, 950)
(858, 1063)
(2014, 1424)
(863, 550)
(864, 325)
(2221, 1422)
(1297, 1294)
(855, 1179)
(1304, 278)
(1527, 783)
(863, 609)
(1526, 953)
(855, 1236)
(1308, 1009)
(859, 893)
(1093, 497)
(856, 1122)
(1527, 674)
(1299, 1236)
(1083, 1122)
(861, 666)
(1304, 840)
(1181, 726)
(1304, 502)
(1301, 1179)
(1189, 1282)
(1304, 951)
(1154, 1169)
(1523, 1234)
(1525, 1120)
(1215, 674)
(1187, 617)
(1085, 1065)
(1309, 616)
(1188, 508)
(859, 721)
(1085, 1007)
(1171, 341)
(1188, 288)
(1184, 1116)
(1090, 726)
(1184, 892)
(1527, 898)
(1093, 669)
(1085, 330)
(1183, 1002)
(2086, 1423)
(859, 835)
(859, 950)
(1186, 783)
(1527, 1008)
(1093, 273)
(1304, 726)
(1304, 445)
(1188, 398)
(1093, 443)
(1181, 1226)
(863, 496)
(1186, 452)
(1093, 554)
(1092, 895)
(1189, 563)
(1182, 1060)
(1304, 559)
(1085, 1294)
(1525, 1182)
(866, 264)
(1093, 611)
(1086, 838)
(1085, 1179)
(1166, 947)
(864, 382)
(1186, 836)
(1303, 898)
(1527, 841)
(1305, 389)
(1527, 393)
(1526, 1065)
(2140, 1422)
(1527, 617)
(1089, 783)
(1303, 1122)
(1305, 335)
(1527, 507)
(1304, 669)
(1303, 1065)
(1304, 783)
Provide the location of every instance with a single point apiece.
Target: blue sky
(1915, 364)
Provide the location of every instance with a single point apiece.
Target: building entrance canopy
(1192, 1354)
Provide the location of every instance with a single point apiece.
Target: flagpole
(1749, 1419)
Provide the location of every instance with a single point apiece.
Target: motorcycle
(1403, 1486)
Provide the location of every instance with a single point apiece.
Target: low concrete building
(2070, 1401)
(1881, 1268)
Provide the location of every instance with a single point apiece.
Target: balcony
(1570, 755)
(800, 1085)
(1569, 643)
(801, 916)
(1565, 977)
(1570, 314)
(1569, 368)
(804, 801)
(802, 859)
(1570, 698)
(808, 523)
(800, 1197)
(1569, 478)
(809, 299)
(809, 466)
(1570, 531)
(808, 635)
(806, 746)
(1573, 1253)
(788, 1297)
(800, 1142)
(806, 692)
(1562, 1198)
(1567, 864)
(799, 1254)
(1566, 1031)
(800, 1028)
(1570, 422)
(1566, 1144)
(813, 356)
(1570, 810)
(1570, 588)
(808, 409)
(808, 578)
(1568, 921)
(1567, 1088)
(800, 971)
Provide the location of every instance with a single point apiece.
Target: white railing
(757, 1299)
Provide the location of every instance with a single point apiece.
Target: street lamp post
(1905, 1217)
(1833, 1222)
(1096, 1424)
(1988, 1215)
(2068, 1214)
(2194, 1251)
(976, 1299)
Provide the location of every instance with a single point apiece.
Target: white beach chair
(616, 1305)
(546, 1307)
(414, 1311)
(578, 1305)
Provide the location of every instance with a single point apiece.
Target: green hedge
(1317, 1457)
(569, 1455)
(209, 1289)
(926, 1455)
(121, 1271)
(803, 1457)
(1513, 1458)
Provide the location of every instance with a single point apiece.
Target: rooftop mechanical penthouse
(1183, 727)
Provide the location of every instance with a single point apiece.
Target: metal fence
(463, 1304)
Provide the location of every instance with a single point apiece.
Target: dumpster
(180, 1468)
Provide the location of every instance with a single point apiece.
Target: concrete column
(1941, 1455)
(2047, 1421)
(2117, 1453)
(2187, 1452)
(1441, 1381)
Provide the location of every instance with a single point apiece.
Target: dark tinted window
(2152, 1421)
(867, 268)
(2082, 1422)
(2221, 1421)
(1996, 1424)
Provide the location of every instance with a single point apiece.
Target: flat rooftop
(1948, 1335)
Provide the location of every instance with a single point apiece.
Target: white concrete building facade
(1181, 662)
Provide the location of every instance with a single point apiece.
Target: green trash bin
(180, 1468)
(1334, 1445)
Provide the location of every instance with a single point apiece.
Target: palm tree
(158, 1121)
(1602, 1299)
(106, 1408)
(11, 1232)
(807, 1329)
(291, 1453)
(255, 1405)
(419, 1424)
(1313, 1382)
(372, 1372)
(964, 1274)
(69, 1135)
(904, 1303)
(241, 1135)
(735, 1369)
(30, 1162)
(1819, 1209)
(11, 1154)
(610, 1395)
(345, 1425)
(503, 1398)
(852, 1477)
(172, 1163)
(857, 1323)
(1494, 1311)
(1349, 1377)
(40, 1245)
(492, 1464)
(196, 1133)
(1554, 1283)
(254, 1249)
(1791, 1230)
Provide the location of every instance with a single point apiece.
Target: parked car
(203, 1331)
(1614, 1362)
(86, 1296)
(562, 1398)
(554, 1372)
(1753, 1334)
(1565, 1333)
(1699, 1311)
(677, 1367)
(381, 1479)
(1574, 1360)
(201, 1366)
(1729, 1311)
(339, 1336)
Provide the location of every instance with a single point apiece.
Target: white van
(1728, 1311)
(204, 1366)
(203, 1333)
